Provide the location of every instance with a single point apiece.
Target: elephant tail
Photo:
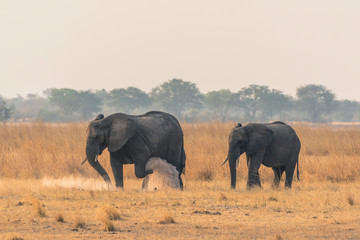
(297, 169)
(183, 158)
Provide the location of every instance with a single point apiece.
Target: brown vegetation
(56, 150)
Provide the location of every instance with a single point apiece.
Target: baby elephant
(274, 145)
(164, 175)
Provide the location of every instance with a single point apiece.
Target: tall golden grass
(40, 150)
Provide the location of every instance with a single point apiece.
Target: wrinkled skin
(274, 145)
(134, 140)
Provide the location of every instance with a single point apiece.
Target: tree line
(254, 103)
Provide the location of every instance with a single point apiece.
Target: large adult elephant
(134, 140)
(274, 145)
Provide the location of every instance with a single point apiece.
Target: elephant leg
(117, 168)
(278, 171)
(140, 171)
(253, 169)
(181, 182)
(290, 168)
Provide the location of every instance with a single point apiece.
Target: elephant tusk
(237, 163)
(96, 158)
(84, 161)
(224, 161)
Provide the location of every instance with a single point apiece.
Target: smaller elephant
(274, 145)
(164, 175)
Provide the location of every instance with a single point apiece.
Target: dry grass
(40, 170)
(310, 210)
(39, 150)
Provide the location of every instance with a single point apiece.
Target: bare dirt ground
(77, 208)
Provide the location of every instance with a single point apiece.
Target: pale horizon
(215, 44)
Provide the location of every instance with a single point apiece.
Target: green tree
(250, 100)
(5, 112)
(129, 99)
(66, 99)
(177, 96)
(274, 102)
(347, 111)
(220, 102)
(88, 104)
(315, 100)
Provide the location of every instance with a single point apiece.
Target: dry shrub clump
(167, 219)
(350, 199)
(36, 150)
(39, 207)
(59, 218)
(107, 213)
(79, 222)
(109, 226)
(14, 237)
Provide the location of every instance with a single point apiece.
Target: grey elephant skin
(274, 145)
(134, 140)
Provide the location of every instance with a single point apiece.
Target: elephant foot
(275, 185)
(251, 185)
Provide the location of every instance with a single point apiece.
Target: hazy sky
(215, 44)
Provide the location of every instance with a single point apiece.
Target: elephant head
(250, 139)
(110, 132)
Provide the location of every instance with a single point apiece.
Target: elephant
(133, 140)
(274, 145)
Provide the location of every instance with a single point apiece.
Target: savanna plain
(46, 194)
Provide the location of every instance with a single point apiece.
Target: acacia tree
(274, 102)
(250, 100)
(315, 100)
(65, 99)
(176, 96)
(220, 102)
(128, 99)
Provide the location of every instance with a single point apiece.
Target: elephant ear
(121, 131)
(259, 137)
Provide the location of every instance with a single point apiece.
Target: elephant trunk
(232, 166)
(233, 158)
(92, 152)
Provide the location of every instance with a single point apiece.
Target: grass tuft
(205, 175)
(15, 238)
(273, 199)
(222, 197)
(39, 207)
(59, 218)
(351, 199)
(79, 223)
(168, 219)
(109, 226)
(278, 237)
(109, 212)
